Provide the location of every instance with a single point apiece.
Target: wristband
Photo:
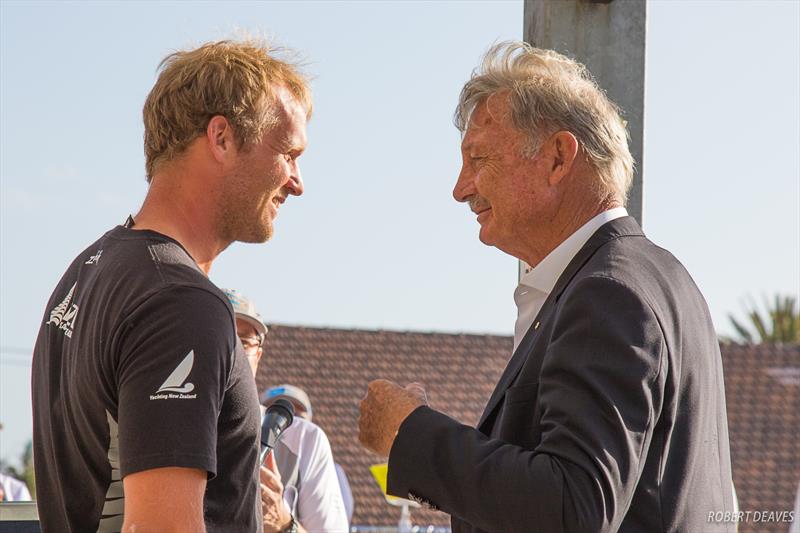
(292, 527)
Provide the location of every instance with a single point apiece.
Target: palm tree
(781, 324)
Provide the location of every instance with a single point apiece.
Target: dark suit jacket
(609, 416)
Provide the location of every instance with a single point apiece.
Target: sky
(377, 240)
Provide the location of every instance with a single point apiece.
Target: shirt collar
(543, 276)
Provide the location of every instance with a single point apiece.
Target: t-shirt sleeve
(320, 507)
(174, 359)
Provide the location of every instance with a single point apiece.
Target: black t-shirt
(137, 366)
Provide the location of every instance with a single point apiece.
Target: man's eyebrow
(292, 145)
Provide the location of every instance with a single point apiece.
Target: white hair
(548, 93)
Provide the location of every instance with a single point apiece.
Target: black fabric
(137, 366)
(609, 417)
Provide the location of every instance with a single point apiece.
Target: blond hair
(548, 93)
(235, 79)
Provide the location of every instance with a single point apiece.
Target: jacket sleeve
(600, 392)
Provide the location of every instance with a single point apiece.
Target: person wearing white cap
(300, 471)
(297, 396)
(249, 327)
(302, 408)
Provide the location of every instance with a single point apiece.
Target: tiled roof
(762, 389)
(459, 373)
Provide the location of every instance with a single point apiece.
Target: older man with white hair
(610, 415)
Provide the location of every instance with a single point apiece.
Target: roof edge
(395, 331)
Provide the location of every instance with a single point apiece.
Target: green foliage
(780, 323)
(27, 471)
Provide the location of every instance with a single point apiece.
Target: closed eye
(476, 159)
(293, 155)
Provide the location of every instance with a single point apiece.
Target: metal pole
(609, 38)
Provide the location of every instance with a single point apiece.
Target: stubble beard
(243, 217)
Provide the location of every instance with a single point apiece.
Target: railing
(19, 517)
(397, 529)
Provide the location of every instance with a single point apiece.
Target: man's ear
(563, 147)
(219, 137)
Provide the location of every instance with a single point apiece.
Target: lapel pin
(536, 326)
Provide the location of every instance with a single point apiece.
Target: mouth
(278, 200)
(479, 205)
(483, 213)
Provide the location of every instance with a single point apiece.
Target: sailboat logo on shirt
(176, 386)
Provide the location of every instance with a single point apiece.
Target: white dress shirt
(535, 286)
(311, 489)
(14, 490)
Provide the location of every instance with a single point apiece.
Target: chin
(264, 235)
(262, 229)
(484, 235)
(256, 234)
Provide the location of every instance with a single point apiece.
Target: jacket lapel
(620, 227)
(515, 364)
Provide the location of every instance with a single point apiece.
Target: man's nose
(464, 187)
(295, 184)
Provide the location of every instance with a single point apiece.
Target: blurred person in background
(302, 405)
(299, 483)
(13, 490)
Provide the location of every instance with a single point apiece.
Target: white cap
(289, 392)
(245, 310)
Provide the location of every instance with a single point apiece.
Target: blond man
(146, 415)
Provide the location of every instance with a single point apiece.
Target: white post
(404, 526)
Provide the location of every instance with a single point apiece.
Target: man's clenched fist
(383, 409)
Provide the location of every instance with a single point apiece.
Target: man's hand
(276, 515)
(383, 409)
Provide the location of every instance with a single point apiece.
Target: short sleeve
(174, 360)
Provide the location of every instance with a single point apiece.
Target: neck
(572, 211)
(176, 206)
